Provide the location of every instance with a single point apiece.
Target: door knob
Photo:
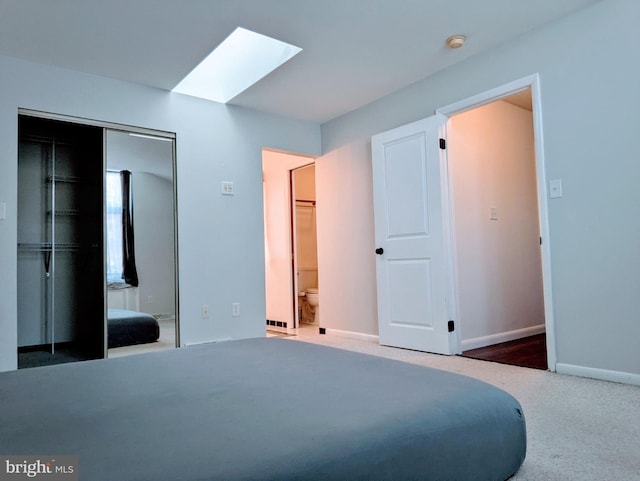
(379, 251)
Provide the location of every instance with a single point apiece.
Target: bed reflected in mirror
(140, 243)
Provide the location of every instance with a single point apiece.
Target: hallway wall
(492, 166)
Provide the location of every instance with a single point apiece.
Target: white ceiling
(354, 51)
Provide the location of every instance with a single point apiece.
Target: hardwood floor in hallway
(527, 352)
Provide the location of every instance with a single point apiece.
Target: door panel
(405, 179)
(411, 269)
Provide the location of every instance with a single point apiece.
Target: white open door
(411, 267)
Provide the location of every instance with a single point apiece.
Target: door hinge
(540, 240)
(451, 326)
(443, 144)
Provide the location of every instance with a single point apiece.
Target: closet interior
(61, 276)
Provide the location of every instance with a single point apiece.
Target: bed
(127, 328)
(262, 409)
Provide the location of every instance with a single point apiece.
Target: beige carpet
(578, 429)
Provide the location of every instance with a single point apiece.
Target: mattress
(262, 409)
(126, 328)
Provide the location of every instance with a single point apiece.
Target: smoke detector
(455, 41)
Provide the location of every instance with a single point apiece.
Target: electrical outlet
(149, 299)
(205, 312)
(235, 309)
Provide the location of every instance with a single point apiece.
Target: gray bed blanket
(262, 409)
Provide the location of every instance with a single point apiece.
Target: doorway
(60, 264)
(279, 174)
(496, 199)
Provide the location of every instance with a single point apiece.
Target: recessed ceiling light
(242, 59)
(455, 41)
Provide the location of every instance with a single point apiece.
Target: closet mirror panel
(140, 238)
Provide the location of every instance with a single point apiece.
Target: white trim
(602, 374)
(489, 96)
(209, 341)
(446, 200)
(533, 82)
(353, 335)
(158, 134)
(507, 336)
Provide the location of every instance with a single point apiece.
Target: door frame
(532, 82)
(285, 207)
(294, 239)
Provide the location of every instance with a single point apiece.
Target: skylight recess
(242, 59)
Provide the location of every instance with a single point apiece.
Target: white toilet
(313, 300)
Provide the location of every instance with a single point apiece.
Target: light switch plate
(555, 188)
(227, 187)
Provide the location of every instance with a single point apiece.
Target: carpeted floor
(67, 352)
(578, 429)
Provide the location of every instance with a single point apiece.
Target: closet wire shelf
(47, 247)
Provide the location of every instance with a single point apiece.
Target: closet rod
(63, 178)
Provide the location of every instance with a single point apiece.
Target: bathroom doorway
(282, 285)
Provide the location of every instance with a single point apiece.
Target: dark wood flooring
(527, 352)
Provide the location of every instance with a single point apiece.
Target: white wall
(492, 166)
(346, 259)
(277, 234)
(588, 70)
(154, 246)
(221, 248)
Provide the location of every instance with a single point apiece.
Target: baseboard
(483, 341)
(354, 335)
(602, 374)
(208, 341)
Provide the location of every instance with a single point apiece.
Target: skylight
(242, 59)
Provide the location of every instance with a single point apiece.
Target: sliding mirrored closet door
(97, 240)
(141, 245)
